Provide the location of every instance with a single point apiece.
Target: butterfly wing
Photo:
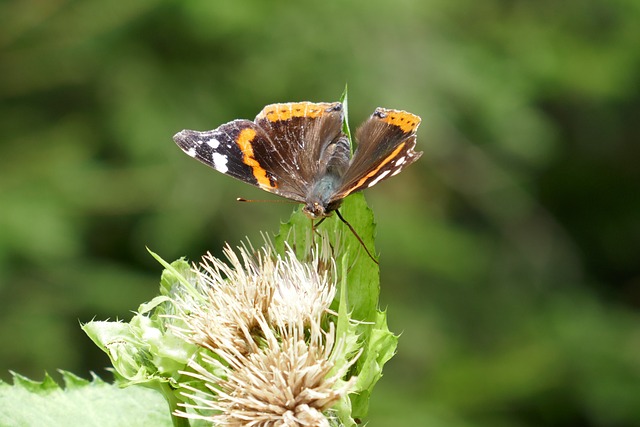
(299, 133)
(278, 152)
(385, 147)
(230, 149)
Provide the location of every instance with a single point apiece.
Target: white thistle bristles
(286, 382)
(270, 361)
(283, 291)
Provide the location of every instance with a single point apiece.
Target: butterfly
(299, 151)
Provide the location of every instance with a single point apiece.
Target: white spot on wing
(219, 162)
(400, 161)
(191, 151)
(213, 143)
(378, 178)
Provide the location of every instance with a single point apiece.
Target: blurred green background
(510, 251)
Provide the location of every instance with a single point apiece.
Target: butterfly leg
(319, 222)
(314, 231)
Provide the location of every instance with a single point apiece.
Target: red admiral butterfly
(299, 151)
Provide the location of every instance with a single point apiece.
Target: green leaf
(176, 277)
(81, 403)
(380, 347)
(44, 386)
(345, 123)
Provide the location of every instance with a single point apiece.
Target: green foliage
(79, 403)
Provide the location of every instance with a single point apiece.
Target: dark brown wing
(279, 152)
(385, 144)
(298, 135)
(230, 149)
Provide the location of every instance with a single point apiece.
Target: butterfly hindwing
(385, 144)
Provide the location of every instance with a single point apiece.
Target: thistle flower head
(288, 381)
(250, 288)
(269, 361)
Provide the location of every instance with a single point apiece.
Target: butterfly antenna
(242, 199)
(355, 234)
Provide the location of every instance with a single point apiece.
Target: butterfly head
(316, 209)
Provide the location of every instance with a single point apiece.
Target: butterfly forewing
(227, 149)
(299, 133)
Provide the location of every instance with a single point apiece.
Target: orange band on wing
(245, 137)
(279, 112)
(406, 121)
(374, 172)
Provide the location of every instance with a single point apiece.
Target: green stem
(173, 401)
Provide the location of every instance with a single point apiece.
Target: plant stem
(173, 401)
